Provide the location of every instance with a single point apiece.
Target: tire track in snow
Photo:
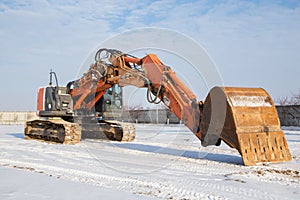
(141, 185)
(183, 177)
(200, 168)
(144, 187)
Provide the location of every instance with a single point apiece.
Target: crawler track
(59, 131)
(109, 130)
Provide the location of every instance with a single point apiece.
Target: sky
(252, 43)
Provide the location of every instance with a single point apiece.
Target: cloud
(254, 43)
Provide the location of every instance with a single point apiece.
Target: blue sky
(252, 43)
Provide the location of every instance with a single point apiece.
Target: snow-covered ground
(164, 162)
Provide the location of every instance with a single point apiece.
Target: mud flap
(246, 119)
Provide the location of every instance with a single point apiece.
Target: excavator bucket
(246, 119)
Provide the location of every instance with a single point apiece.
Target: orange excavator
(244, 118)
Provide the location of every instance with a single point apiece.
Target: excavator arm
(244, 118)
(165, 86)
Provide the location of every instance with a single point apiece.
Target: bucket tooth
(246, 119)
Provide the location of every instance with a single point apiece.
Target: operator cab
(110, 106)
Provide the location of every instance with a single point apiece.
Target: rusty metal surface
(263, 147)
(250, 124)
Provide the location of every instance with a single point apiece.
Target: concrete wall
(16, 117)
(288, 115)
(160, 116)
(134, 116)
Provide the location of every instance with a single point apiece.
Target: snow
(164, 162)
(23, 184)
(250, 101)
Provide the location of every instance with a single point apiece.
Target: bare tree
(293, 100)
(283, 101)
(296, 98)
